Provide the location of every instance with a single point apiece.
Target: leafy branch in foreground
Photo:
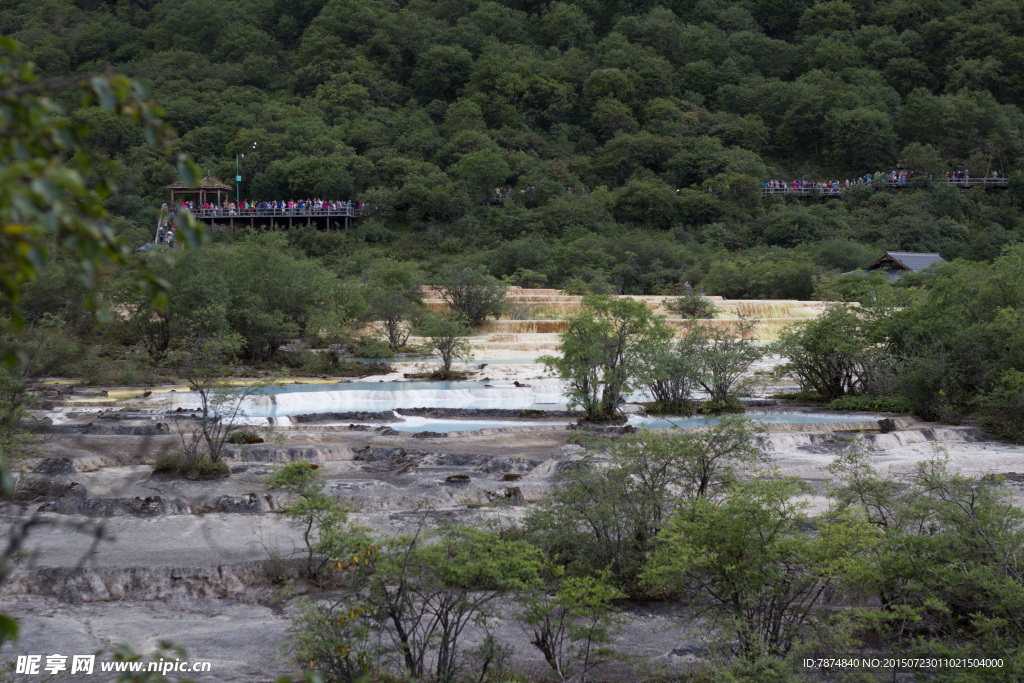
(55, 182)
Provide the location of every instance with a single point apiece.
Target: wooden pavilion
(208, 189)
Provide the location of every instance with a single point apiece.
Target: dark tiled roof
(915, 261)
(909, 260)
(207, 183)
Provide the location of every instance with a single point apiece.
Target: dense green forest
(638, 107)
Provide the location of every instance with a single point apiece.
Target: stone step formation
(548, 310)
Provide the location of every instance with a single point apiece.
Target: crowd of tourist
(300, 207)
(897, 178)
(505, 194)
(837, 186)
(167, 223)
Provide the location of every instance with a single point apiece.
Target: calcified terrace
(540, 316)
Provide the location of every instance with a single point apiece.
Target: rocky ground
(121, 555)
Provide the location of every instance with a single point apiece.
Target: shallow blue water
(300, 399)
(429, 359)
(465, 425)
(418, 424)
(771, 418)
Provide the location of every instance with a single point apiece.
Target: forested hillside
(662, 118)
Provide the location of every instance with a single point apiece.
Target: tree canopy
(602, 127)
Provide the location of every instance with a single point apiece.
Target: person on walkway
(689, 289)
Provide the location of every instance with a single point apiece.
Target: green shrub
(687, 407)
(373, 347)
(304, 363)
(692, 306)
(800, 396)
(1002, 410)
(244, 436)
(873, 404)
(97, 370)
(301, 360)
(370, 231)
(307, 362)
(730, 404)
(179, 464)
(327, 535)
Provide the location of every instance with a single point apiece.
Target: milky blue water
(421, 424)
(308, 399)
(770, 418)
(343, 397)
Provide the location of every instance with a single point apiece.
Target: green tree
(483, 171)
(565, 25)
(602, 348)
(830, 355)
(573, 625)
(394, 299)
(669, 374)
(441, 71)
(324, 522)
(423, 591)
(722, 357)
(861, 138)
(197, 290)
(750, 559)
(470, 292)
(610, 518)
(1002, 408)
(447, 339)
(275, 296)
(944, 573)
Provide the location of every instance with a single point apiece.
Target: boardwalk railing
(819, 190)
(341, 212)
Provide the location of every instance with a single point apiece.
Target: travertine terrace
(537, 316)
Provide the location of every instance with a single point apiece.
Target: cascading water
(359, 397)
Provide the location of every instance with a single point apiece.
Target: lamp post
(238, 174)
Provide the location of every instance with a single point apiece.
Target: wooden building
(896, 264)
(209, 189)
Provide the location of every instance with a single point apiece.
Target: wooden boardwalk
(819, 191)
(341, 216)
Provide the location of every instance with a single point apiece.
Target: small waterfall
(523, 326)
(767, 308)
(787, 443)
(408, 420)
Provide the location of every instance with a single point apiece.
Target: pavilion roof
(896, 263)
(207, 183)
